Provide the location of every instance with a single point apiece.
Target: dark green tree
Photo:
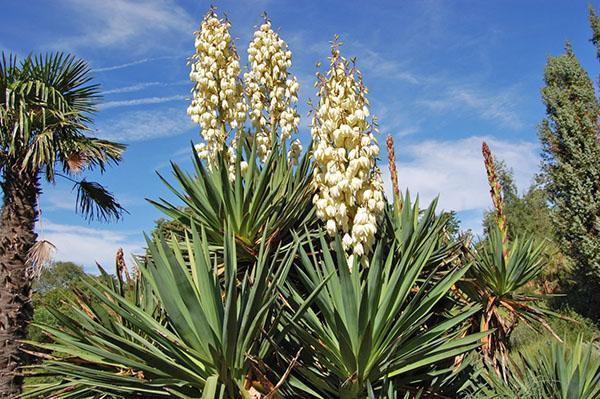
(58, 275)
(571, 163)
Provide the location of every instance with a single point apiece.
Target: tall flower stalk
(271, 90)
(349, 196)
(218, 104)
(393, 172)
(496, 194)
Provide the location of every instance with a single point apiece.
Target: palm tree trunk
(17, 236)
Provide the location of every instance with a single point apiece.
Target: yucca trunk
(17, 236)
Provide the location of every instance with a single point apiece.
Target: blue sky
(442, 76)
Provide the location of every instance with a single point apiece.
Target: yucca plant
(408, 220)
(569, 370)
(500, 272)
(209, 337)
(389, 391)
(269, 199)
(245, 180)
(259, 295)
(377, 323)
(497, 283)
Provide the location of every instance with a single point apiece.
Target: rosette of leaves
(569, 370)
(267, 200)
(183, 330)
(369, 326)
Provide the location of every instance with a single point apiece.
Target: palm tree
(46, 104)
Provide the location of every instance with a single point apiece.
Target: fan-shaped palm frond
(96, 202)
(46, 107)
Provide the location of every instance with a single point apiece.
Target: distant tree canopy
(58, 275)
(166, 227)
(51, 291)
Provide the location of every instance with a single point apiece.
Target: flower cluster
(218, 98)
(232, 161)
(270, 90)
(349, 186)
(294, 152)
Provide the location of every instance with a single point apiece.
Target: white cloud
(58, 199)
(139, 24)
(140, 101)
(144, 85)
(146, 125)
(500, 106)
(86, 245)
(393, 118)
(132, 88)
(133, 63)
(298, 41)
(454, 169)
(378, 66)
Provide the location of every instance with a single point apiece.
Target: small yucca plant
(179, 330)
(500, 271)
(568, 370)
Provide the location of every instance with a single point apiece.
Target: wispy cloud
(453, 169)
(134, 63)
(58, 199)
(64, 199)
(143, 86)
(299, 41)
(379, 66)
(86, 245)
(132, 88)
(140, 101)
(393, 118)
(146, 125)
(140, 25)
(500, 106)
(181, 155)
